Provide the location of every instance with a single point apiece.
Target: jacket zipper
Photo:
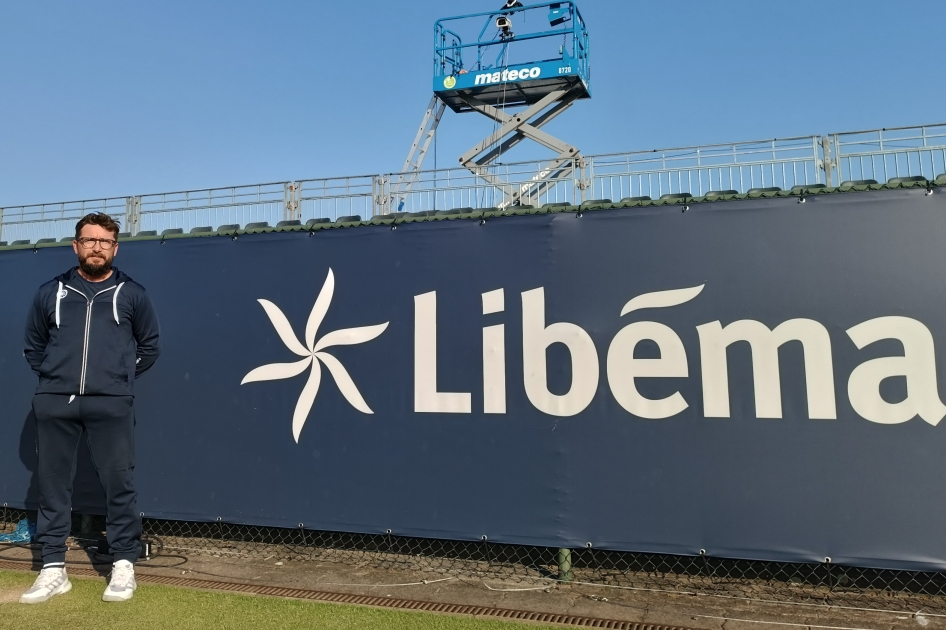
(85, 338)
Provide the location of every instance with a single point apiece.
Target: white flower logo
(314, 355)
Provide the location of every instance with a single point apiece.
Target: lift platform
(534, 56)
(517, 56)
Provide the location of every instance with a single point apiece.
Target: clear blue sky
(126, 97)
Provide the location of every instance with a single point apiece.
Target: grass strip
(155, 607)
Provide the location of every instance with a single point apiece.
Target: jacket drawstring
(115, 303)
(58, 298)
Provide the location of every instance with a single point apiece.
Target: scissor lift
(485, 75)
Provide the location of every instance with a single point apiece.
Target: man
(89, 334)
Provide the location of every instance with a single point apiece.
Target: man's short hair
(100, 219)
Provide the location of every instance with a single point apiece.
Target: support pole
(826, 161)
(565, 565)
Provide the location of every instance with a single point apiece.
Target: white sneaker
(52, 580)
(122, 586)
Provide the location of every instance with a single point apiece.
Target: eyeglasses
(89, 243)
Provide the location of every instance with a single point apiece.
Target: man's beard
(93, 269)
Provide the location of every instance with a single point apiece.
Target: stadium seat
(454, 212)
(204, 229)
(44, 241)
(417, 215)
(557, 204)
(858, 182)
(258, 225)
(676, 196)
(313, 222)
(120, 235)
(720, 193)
(940, 179)
(906, 180)
(172, 231)
(69, 239)
(387, 218)
(594, 202)
(522, 206)
(354, 218)
(801, 188)
(147, 233)
(3, 243)
(229, 227)
(759, 191)
(635, 199)
(289, 223)
(24, 241)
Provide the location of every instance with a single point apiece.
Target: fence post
(581, 178)
(378, 199)
(564, 565)
(826, 162)
(290, 201)
(132, 214)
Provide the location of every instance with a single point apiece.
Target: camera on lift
(504, 22)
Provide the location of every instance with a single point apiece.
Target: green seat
(940, 179)
(69, 239)
(721, 193)
(594, 202)
(858, 182)
(44, 241)
(387, 218)
(204, 229)
(147, 233)
(258, 225)
(24, 241)
(676, 196)
(120, 235)
(636, 199)
(759, 191)
(289, 223)
(319, 221)
(523, 206)
(229, 227)
(353, 218)
(452, 213)
(172, 231)
(557, 204)
(802, 188)
(906, 180)
(417, 215)
(3, 243)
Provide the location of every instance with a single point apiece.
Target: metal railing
(885, 153)
(832, 159)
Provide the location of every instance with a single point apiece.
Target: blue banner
(754, 378)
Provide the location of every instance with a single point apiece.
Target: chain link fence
(792, 583)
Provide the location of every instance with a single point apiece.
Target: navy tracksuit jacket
(87, 352)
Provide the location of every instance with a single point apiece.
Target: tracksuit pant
(109, 425)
